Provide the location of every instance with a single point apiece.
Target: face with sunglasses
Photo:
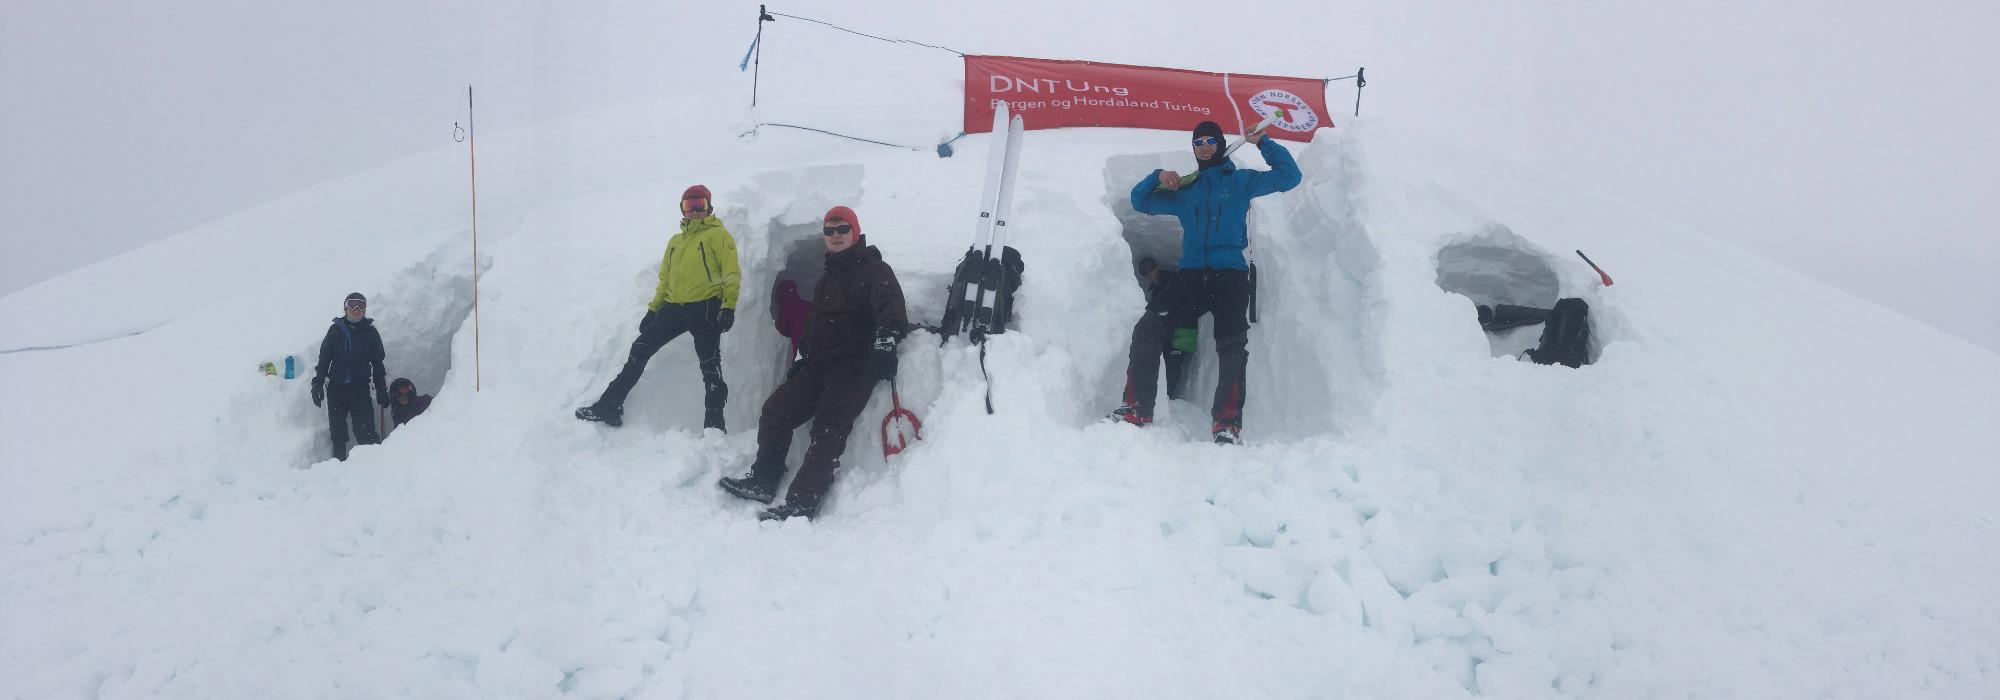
(356, 310)
(839, 235)
(1204, 147)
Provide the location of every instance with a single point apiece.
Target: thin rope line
(871, 36)
(844, 136)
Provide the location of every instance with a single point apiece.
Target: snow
(1763, 487)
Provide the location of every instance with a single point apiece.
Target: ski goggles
(838, 230)
(689, 206)
(357, 305)
(1205, 141)
(405, 390)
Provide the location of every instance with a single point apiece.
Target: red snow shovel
(899, 415)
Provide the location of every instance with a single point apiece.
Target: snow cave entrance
(1154, 243)
(419, 311)
(803, 263)
(1500, 271)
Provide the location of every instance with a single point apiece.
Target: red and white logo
(1299, 117)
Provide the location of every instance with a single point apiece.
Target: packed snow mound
(1738, 499)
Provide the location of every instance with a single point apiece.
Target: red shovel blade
(900, 415)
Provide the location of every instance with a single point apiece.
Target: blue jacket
(1212, 209)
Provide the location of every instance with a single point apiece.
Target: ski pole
(1600, 271)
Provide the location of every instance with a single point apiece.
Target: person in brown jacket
(850, 341)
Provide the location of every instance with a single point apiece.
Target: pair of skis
(977, 302)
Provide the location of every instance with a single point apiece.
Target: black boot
(751, 487)
(791, 509)
(713, 419)
(610, 416)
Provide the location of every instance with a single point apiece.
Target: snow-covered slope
(1763, 488)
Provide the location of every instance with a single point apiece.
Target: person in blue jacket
(1214, 277)
(350, 359)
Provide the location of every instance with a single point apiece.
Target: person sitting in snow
(1214, 277)
(406, 403)
(349, 356)
(850, 342)
(789, 311)
(696, 296)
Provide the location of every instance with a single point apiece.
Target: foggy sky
(1847, 141)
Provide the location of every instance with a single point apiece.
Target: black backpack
(1565, 336)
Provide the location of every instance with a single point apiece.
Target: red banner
(1052, 94)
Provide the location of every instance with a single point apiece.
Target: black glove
(883, 356)
(319, 394)
(647, 321)
(725, 319)
(794, 369)
(382, 396)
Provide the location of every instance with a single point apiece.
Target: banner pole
(1360, 81)
(757, 68)
(472, 136)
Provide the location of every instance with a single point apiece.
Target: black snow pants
(1170, 321)
(829, 393)
(697, 319)
(353, 403)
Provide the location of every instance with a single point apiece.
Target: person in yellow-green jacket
(697, 296)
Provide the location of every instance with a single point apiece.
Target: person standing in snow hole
(696, 296)
(349, 357)
(851, 335)
(1214, 277)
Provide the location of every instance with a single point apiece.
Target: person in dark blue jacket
(1214, 277)
(350, 358)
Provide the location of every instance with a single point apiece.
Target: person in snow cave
(851, 335)
(788, 311)
(1161, 286)
(406, 403)
(1214, 276)
(696, 296)
(349, 357)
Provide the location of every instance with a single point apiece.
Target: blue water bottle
(289, 373)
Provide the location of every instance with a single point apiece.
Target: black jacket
(351, 353)
(857, 295)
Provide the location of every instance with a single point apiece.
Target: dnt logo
(1299, 117)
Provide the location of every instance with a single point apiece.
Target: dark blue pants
(697, 319)
(350, 403)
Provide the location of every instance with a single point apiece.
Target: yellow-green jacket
(700, 265)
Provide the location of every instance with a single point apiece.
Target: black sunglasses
(842, 229)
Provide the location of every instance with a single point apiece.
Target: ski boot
(1226, 434)
(1129, 413)
(750, 488)
(791, 509)
(613, 417)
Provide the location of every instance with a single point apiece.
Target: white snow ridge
(1762, 488)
